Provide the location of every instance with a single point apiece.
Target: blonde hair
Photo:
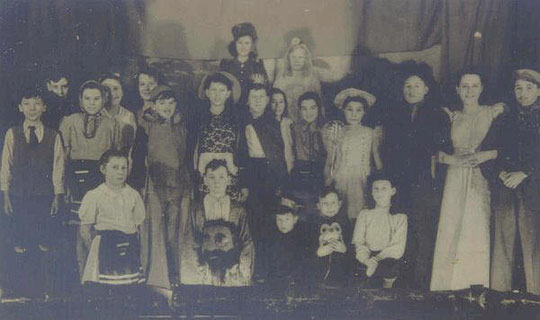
(296, 43)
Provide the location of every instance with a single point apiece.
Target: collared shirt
(215, 209)
(380, 231)
(109, 209)
(6, 172)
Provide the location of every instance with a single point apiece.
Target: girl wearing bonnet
(297, 77)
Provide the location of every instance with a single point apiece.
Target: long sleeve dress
(462, 249)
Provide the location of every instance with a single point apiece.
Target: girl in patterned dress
(351, 149)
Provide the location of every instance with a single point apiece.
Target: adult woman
(297, 78)
(462, 248)
(244, 65)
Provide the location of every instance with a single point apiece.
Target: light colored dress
(353, 166)
(462, 248)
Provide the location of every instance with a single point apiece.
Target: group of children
(246, 188)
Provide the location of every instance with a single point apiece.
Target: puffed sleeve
(396, 248)
(88, 211)
(359, 237)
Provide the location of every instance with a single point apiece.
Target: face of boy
(146, 84)
(116, 90)
(526, 92)
(217, 181)
(32, 108)
(115, 171)
(165, 107)
(92, 101)
(383, 192)
(354, 112)
(414, 90)
(309, 110)
(329, 205)
(243, 46)
(257, 102)
(286, 222)
(59, 88)
(218, 93)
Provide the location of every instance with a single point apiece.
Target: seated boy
(329, 236)
(379, 235)
(286, 247)
(32, 175)
(217, 248)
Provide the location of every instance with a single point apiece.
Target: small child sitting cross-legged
(379, 235)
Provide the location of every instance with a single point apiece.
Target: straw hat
(353, 92)
(236, 89)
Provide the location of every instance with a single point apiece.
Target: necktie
(33, 137)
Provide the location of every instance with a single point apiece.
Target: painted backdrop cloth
(462, 249)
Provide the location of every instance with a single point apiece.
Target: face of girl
(470, 87)
(382, 192)
(243, 46)
(218, 93)
(92, 101)
(116, 90)
(298, 59)
(115, 172)
(309, 111)
(414, 90)
(278, 104)
(165, 107)
(217, 181)
(526, 92)
(59, 88)
(146, 84)
(32, 108)
(354, 112)
(286, 222)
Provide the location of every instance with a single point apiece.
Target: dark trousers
(32, 222)
(514, 222)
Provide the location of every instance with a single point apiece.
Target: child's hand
(324, 250)
(338, 246)
(371, 265)
(244, 195)
(258, 78)
(55, 205)
(8, 210)
(513, 179)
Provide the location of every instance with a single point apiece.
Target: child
(330, 236)
(308, 149)
(379, 236)
(517, 191)
(111, 215)
(286, 248)
(351, 149)
(216, 130)
(147, 79)
(298, 76)
(245, 65)
(86, 136)
(161, 166)
(56, 99)
(114, 110)
(218, 249)
(280, 108)
(32, 177)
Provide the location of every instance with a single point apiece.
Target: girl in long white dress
(462, 249)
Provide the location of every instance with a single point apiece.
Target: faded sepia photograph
(270, 159)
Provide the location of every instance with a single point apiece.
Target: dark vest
(32, 164)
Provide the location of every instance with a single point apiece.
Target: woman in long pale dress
(462, 249)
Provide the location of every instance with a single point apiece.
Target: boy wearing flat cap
(160, 143)
(516, 201)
